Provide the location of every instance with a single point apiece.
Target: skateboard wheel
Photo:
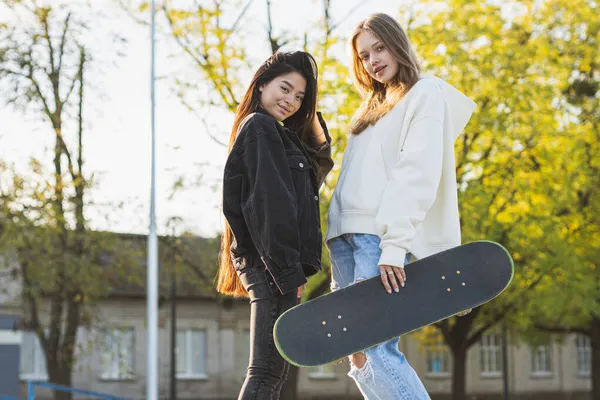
(324, 322)
(339, 317)
(443, 277)
(329, 335)
(448, 289)
(457, 272)
(345, 329)
(463, 284)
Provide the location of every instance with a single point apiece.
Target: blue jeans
(386, 374)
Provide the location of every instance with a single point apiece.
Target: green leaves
(528, 159)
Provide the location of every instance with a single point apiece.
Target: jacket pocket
(301, 170)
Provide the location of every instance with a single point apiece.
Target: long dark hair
(278, 64)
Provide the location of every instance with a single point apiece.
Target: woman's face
(379, 63)
(283, 96)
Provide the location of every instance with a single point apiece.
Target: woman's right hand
(392, 276)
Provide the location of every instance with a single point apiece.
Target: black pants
(267, 370)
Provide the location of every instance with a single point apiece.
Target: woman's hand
(301, 291)
(318, 135)
(392, 276)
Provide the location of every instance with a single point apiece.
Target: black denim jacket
(270, 200)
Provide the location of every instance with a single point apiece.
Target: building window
(191, 354)
(326, 371)
(117, 354)
(584, 355)
(541, 361)
(438, 359)
(491, 355)
(33, 360)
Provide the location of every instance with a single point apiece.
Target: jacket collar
(261, 110)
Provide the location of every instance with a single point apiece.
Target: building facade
(212, 344)
(212, 353)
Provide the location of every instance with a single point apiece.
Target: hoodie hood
(460, 106)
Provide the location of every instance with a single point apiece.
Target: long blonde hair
(379, 98)
(278, 64)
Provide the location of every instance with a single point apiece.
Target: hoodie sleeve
(414, 179)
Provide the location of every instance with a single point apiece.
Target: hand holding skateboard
(392, 276)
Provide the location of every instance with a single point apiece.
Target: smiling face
(283, 96)
(376, 59)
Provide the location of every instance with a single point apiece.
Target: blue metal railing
(31, 391)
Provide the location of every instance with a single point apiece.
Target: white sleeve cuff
(392, 255)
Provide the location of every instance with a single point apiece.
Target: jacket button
(317, 198)
(301, 165)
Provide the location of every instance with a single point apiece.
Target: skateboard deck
(363, 315)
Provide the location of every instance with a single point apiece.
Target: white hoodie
(398, 177)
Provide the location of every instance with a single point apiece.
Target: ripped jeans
(386, 374)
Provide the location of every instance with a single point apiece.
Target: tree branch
(203, 63)
(347, 15)
(500, 315)
(132, 14)
(63, 39)
(210, 135)
(9, 71)
(41, 96)
(478, 333)
(43, 18)
(203, 120)
(238, 20)
(71, 88)
(82, 60)
(272, 41)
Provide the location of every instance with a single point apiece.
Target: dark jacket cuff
(291, 280)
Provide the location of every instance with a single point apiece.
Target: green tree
(507, 155)
(61, 264)
(568, 301)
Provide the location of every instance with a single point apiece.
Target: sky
(117, 139)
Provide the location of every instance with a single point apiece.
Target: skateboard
(363, 315)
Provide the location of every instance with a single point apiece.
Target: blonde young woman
(396, 196)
